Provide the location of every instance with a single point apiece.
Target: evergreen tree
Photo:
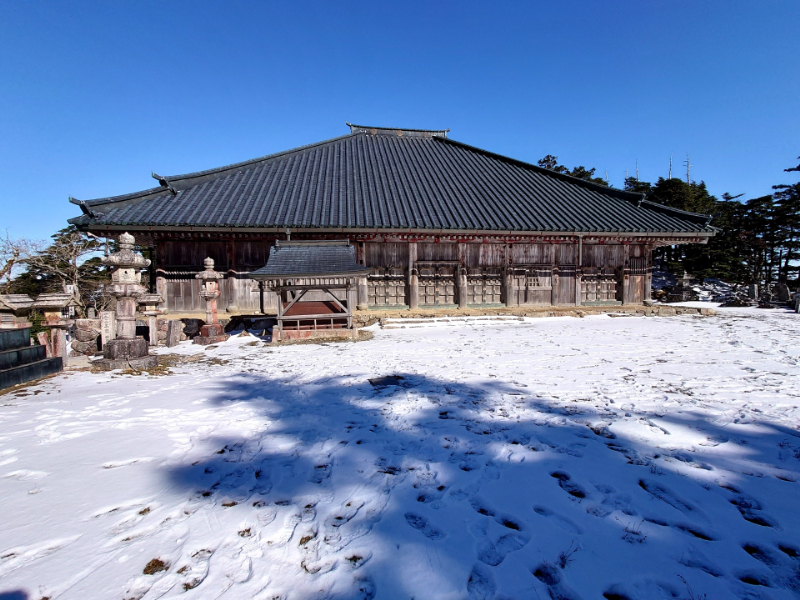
(550, 162)
(72, 258)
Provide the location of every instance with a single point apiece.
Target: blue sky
(95, 96)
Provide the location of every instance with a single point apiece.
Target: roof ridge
(120, 198)
(174, 178)
(677, 211)
(397, 131)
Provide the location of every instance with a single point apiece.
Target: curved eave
(257, 275)
(91, 225)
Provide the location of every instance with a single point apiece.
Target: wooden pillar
(461, 274)
(413, 279)
(554, 288)
(626, 255)
(508, 282)
(579, 273)
(648, 279)
(353, 295)
(233, 283)
(161, 290)
(362, 301)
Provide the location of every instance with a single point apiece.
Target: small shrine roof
(311, 259)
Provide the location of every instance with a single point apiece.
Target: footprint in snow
(421, 524)
(481, 584)
(559, 520)
(565, 483)
(320, 473)
(353, 520)
(494, 552)
(194, 570)
(550, 575)
(751, 511)
(291, 520)
(14, 558)
(667, 496)
(694, 559)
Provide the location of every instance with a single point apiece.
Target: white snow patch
(451, 458)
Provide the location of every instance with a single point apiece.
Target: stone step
(30, 372)
(413, 323)
(21, 356)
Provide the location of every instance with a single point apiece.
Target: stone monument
(126, 350)
(212, 332)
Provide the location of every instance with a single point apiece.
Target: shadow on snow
(445, 489)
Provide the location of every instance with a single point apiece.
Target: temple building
(435, 222)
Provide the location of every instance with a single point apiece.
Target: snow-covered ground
(631, 458)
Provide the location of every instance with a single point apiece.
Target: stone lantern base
(125, 354)
(211, 334)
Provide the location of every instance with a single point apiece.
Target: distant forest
(758, 239)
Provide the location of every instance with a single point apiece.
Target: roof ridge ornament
(164, 182)
(397, 131)
(84, 207)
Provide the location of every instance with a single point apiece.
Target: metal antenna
(606, 176)
(688, 168)
(670, 166)
(637, 169)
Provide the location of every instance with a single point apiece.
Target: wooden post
(161, 290)
(648, 280)
(413, 279)
(362, 302)
(461, 274)
(579, 273)
(508, 283)
(352, 295)
(233, 283)
(554, 286)
(626, 254)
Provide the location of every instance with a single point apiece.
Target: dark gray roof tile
(310, 259)
(384, 180)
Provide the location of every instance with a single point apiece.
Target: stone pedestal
(212, 332)
(126, 351)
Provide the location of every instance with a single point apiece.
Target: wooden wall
(515, 274)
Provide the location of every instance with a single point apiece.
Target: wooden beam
(335, 299)
(296, 298)
(312, 317)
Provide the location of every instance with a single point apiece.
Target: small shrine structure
(127, 350)
(316, 288)
(14, 311)
(213, 331)
(58, 310)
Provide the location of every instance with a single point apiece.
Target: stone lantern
(126, 350)
(212, 332)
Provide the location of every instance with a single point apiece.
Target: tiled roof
(310, 259)
(15, 301)
(387, 179)
(54, 300)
